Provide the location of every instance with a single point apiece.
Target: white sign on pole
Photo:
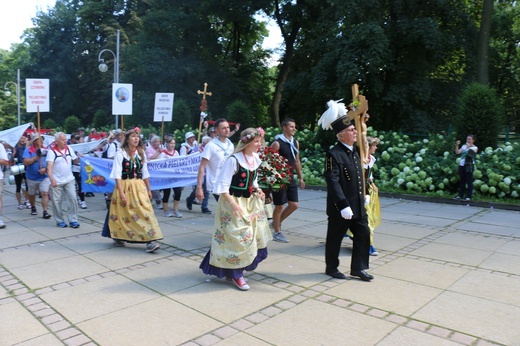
(121, 99)
(37, 95)
(163, 109)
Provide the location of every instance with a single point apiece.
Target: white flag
(12, 136)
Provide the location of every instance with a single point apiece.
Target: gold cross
(204, 93)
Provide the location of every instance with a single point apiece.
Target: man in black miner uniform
(346, 203)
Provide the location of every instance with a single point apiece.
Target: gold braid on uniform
(328, 164)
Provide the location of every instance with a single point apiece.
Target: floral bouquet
(274, 172)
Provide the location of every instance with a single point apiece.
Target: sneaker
(83, 205)
(196, 201)
(28, 205)
(373, 251)
(177, 214)
(279, 237)
(159, 206)
(467, 199)
(89, 194)
(62, 225)
(241, 284)
(151, 247)
(206, 211)
(46, 215)
(119, 243)
(21, 206)
(456, 197)
(2, 224)
(33, 211)
(168, 214)
(74, 224)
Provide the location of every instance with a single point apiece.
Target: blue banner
(165, 173)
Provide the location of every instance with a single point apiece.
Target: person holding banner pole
(36, 174)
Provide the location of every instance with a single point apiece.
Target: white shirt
(464, 152)
(112, 149)
(62, 167)
(3, 156)
(230, 168)
(216, 153)
(117, 168)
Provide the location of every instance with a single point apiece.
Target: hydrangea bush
(423, 166)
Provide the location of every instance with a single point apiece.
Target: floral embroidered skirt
(133, 221)
(238, 243)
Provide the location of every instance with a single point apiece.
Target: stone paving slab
(447, 274)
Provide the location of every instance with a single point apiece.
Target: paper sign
(163, 109)
(37, 95)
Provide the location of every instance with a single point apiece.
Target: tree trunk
(483, 43)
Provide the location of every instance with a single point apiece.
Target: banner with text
(165, 173)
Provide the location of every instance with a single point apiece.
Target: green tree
(480, 113)
(71, 124)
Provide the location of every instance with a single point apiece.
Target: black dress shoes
(363, 275)
(337, 275)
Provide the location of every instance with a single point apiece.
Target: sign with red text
(37, 95)
(121, 99)
(163, 107)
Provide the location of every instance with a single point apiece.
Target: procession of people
(228, 172)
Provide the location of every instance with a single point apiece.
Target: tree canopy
(412, 60)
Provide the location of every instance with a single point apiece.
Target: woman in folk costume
(131, 217)
(241, 228)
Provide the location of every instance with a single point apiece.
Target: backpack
(104, 155)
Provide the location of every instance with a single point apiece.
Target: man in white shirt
(214, 155)
(3, 162)
(63, 185)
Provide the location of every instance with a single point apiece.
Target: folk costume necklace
(250, 164)
(219, 144)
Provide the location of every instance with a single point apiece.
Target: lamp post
(104, 68)
(8, 93)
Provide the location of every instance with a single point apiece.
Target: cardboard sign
(37, 95)
(163, 108)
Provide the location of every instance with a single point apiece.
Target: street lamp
(8, 93)
(104, 68)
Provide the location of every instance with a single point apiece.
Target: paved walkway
(446, 275)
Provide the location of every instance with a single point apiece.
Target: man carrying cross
(345, 196)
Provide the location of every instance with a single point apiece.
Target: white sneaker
(168, 214)
(177, 214)
(2, 224)
(279, 237)
(83, 205)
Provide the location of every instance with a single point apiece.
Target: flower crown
(258, 133)
(134, 130)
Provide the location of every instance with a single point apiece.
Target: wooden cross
(359, 108)
(203, 105)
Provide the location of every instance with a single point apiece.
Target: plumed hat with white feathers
(335, 118)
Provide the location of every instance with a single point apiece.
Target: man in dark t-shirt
(288, 147)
